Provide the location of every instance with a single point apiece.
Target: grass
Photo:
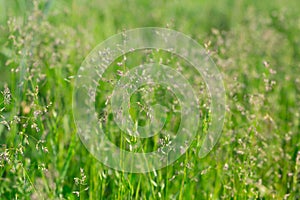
(255, 45)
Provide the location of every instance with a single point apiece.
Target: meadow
(254, 44)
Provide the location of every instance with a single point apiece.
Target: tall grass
(256, 47)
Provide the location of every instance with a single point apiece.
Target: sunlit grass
(255, 46)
